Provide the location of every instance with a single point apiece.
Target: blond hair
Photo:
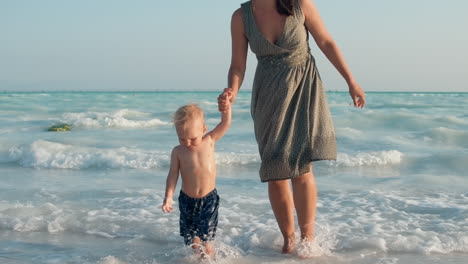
(186, 113)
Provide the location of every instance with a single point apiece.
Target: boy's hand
(167, 205)
(224, 100)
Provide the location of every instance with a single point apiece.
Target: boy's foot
(203, 256)
(288, 246)
(205, 250)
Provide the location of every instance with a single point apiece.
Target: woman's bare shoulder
(306, 6)
(237, 14)
(236, 20)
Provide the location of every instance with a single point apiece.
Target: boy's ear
(204, 128)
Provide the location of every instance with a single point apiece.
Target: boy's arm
(218, 132)
(171, 182)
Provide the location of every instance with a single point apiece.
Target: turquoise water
(398, 192)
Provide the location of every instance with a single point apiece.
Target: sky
(148, 45)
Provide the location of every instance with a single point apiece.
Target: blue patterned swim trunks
(198, 216)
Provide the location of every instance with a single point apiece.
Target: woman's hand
(357, 94)
(224, 99)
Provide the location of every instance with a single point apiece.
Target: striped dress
(292, 120)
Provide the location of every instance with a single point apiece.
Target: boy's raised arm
(171, 182)
(221, 129)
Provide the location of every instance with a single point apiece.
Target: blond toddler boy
(194, 159)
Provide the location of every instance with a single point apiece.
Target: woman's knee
(306, 178)
(279, 184)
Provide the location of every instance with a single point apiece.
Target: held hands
(167, 205)
(225, 99)
(357, 94)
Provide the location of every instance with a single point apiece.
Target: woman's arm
(239, 53)
(327, 45)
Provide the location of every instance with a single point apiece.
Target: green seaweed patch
(60, 128)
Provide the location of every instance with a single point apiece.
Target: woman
(292, 121)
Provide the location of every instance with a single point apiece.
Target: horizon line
(198, 91)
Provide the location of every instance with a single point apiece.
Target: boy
(194, 158)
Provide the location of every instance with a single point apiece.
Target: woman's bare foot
(288, 246)
(307, 238)
(308, 248)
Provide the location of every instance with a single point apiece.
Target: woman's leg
(305, 201)
(283, 207)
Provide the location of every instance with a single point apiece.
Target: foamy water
(50, 155)
(397, 192)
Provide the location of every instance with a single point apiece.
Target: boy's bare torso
(197, 168)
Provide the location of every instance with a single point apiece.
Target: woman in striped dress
(292, 120)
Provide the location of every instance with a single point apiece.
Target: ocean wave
(446, 136)
(373, 120)
(53, 155)
(452, 120)
(368, 159)
(123, 118)
(349, 132)
(211, 103)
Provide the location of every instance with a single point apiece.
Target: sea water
(398, 192)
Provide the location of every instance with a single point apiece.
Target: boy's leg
(186, 223)
(209, 222)
(196, 243)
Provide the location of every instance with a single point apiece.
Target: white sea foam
(111, 260)
(372, 159)
(29, 218)
(236, 159)
(379, 221)
(349, 132)
(46, 154)
(400, 222)
(324, 243)
(210, 103)
(123, 118)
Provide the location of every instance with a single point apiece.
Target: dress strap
(247, 18)
(298, 11)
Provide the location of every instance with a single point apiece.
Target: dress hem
(299, 174)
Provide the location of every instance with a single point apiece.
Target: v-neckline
(261, 33)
